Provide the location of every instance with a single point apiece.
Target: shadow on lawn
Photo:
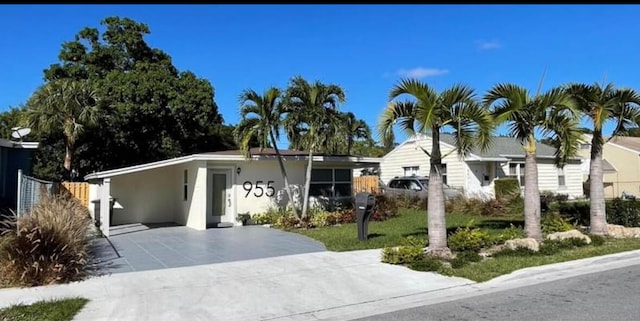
(374, 235)
(488, 224)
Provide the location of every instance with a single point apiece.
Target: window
(516, 170)
(585, 146)
(561, 179)
(185, 183)
(330, 182)
(410, 171)
(443, 171)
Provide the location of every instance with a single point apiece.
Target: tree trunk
(437, 229)
(598, 215)
(531, 193)
(307, 184)
(283, 171)
(68, 157)
(349, 145)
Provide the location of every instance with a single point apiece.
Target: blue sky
(364, 49)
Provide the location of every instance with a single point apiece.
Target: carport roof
(236, 155)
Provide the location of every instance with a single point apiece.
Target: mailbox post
(364, 209)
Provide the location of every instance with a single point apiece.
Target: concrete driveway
(141, 247)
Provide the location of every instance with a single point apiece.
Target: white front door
(220, 197)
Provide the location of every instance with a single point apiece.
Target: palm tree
(553, 113)
(600, 104)
(63, 105)
(429, 113)
(311, 109)
(354, 129)
(261, 118)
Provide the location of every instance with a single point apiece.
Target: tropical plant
(261, 118)
(312, 108)
(553, 113)
(429, 113)
(66, 106)
(354, 129)
(602, 103)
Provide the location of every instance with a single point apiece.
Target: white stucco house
(475, 175)
(203, 190)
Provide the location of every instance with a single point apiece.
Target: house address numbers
(258, 191)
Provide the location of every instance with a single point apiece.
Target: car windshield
(424, 182)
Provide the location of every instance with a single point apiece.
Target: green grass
(494, 267)
(392, 231)
(57, 310)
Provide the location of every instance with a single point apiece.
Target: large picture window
(330, 182)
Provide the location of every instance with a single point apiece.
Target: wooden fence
(368, 183)
(79, 190)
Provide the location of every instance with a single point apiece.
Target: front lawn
(58, 310)
(392, 231)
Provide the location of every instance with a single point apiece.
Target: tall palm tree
(553, 113)
(261, 119)
(354, 129)
(63, 105)
(601, 104)
(311, 108)
(429, 113)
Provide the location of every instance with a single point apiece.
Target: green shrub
(287, 222)
(49, 245)
(596, 240)
(413, 241)
(550, 247)
(413, 202)
(468, 239)
(346, 216)
(553, 222)
(320, 219)
(511, 233)
(401, 254)
(515, 206)
(519, 251)
(426, 264)
(464, 258)
(578, 211)
(507, 188)
(624, 212)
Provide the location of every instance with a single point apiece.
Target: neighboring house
(13, 156)
(475, 175)
(203, 190)
(620, 166)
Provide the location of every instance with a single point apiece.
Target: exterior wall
(476, 185)
(409, 154)
(146, 197)
(260, 173)
(627, 178)
(191, 212)
(548, 176)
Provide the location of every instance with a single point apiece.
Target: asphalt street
(610, 295)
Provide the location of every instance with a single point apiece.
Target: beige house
(210, 189)
(475, 174)
(621, 165)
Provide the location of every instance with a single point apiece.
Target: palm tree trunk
(283, 171)
(349, 144)
(437, 229)
(531, 193)
(307, 184)
(598, 215)
(68, 157)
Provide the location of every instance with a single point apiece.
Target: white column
(105, 193)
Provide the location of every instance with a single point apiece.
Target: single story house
(475, 174)
(14, 156)
(620, 165)
(204, 190)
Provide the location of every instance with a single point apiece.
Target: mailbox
(364, 209)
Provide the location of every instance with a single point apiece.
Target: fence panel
(368, 183)
(79, 190)
(30, 190)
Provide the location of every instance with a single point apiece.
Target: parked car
(416, 186)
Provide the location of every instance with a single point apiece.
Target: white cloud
(488, 45)
(421, 72)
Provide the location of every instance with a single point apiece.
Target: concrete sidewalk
(314, 286)
(288, 287)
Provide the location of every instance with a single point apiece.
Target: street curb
(520, 278)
